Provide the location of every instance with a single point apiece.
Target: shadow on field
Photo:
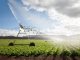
(30, 44)
(21, 44)
(39, 58)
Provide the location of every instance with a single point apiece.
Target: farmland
(22, 47)
(42, 47)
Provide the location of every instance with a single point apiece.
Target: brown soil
(39, 58)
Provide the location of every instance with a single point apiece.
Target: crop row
(40, 48)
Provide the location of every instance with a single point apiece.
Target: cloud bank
(8, 32)
(69, 8)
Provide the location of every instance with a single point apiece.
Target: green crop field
(42, 47)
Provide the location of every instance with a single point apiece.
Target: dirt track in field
(39, 58)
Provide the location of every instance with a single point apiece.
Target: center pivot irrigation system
(22, 29)
(26, 31)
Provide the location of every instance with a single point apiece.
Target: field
(42, 48)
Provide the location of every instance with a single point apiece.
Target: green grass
(41, 47)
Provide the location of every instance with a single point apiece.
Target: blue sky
(7, 19)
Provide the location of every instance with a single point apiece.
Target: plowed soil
(39, 58)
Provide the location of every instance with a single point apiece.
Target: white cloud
(8, 32)
(24, 15)
(65, 20)
(68, 7)
(66, 12)
(59, 9)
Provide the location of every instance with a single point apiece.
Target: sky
(52, 17)
(7, 19)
